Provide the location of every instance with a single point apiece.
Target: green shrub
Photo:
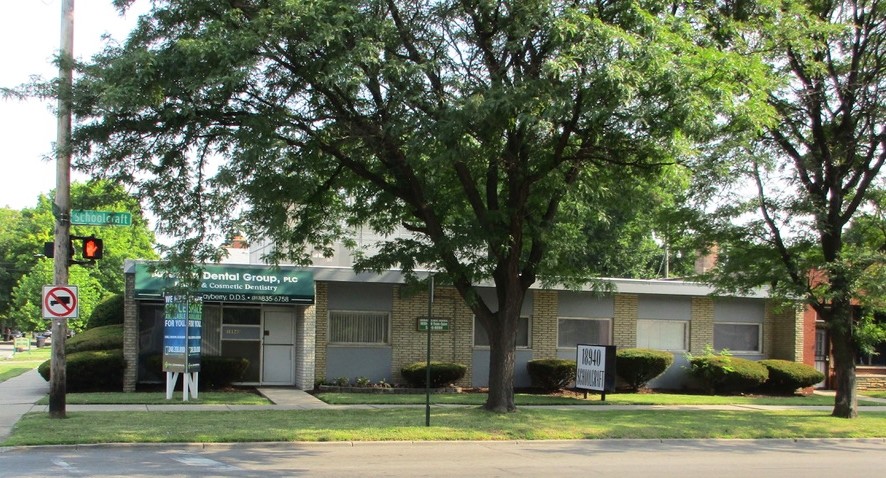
(727, 374)
(107, 312)
(215, 372)
(551, 374)
(220, 372)
(638, 366)
(91, 371)
(108, 337)
(786, 376)
(442, 373)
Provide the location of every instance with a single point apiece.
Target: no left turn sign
(60, 302)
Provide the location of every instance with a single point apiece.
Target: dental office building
(297, 326)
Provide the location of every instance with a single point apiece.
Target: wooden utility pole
(62, 207)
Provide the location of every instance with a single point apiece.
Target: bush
(91, 371)
(215, 372)
(108, 337)
(220, 372)
(727, 374)
(551, 374)
(786, 376)
(638, 366)
(442, 373)
(107, 312)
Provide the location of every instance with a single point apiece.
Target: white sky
(30, 37)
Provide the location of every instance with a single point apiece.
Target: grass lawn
(611, 399)
(159, 398)
(21, 362)
(407, 424)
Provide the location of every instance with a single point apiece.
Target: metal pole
(428, 368)
(62, 207)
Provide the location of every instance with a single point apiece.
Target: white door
(278, 347)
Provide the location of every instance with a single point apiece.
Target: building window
(672, 335)
(574, 331)
(351, 327)
(481, 338)
(738, 337)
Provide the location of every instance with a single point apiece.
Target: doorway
(822, 355)
(278, 347)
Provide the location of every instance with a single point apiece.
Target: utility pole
(62, 207)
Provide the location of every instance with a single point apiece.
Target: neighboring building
(300, 325)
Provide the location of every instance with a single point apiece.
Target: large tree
(458, 128)
(811, 161)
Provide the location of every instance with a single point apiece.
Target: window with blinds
(354, 327)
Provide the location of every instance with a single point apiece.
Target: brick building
(301, 325)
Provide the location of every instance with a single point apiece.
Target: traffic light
(92, 248)
(49, 249)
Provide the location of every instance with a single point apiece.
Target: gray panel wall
(577, 304)
(373, 363)
(480, 368)
(676, 377)
(491, 300)
(357, 296)
(664, 307)
(739, 310)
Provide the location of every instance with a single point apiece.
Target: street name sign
(100, 218)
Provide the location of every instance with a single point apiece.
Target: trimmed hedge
(786, 376)
(442, 373)
(91, 371)
(727, 374)
(637, 366)
(108, 337)
(551, 374)
(107, 312)
(215, 372)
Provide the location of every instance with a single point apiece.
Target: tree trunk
(502, 330)
(502, 360)
(840, 323)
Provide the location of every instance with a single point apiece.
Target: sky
(30, 38)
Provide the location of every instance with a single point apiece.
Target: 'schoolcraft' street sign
(100, 218)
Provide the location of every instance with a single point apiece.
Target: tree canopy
(812, 160)
(487, 140)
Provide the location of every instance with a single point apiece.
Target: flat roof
(670, 287)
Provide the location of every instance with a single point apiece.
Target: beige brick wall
(701, 325)
(130, 335)
(625, 322)
(321, 320)
(410, 345)
(544, 324)
(783, 332)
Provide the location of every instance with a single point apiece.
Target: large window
(670, 335)
(481, 338)
(574, 331)
(353, 327)
(738, 337)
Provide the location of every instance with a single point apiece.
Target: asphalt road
(594, 458)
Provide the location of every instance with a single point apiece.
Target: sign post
(595, 368)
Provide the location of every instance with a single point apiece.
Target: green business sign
(230, 283)
(100, 218)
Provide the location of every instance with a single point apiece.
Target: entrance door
(278, 348)
(821, 355)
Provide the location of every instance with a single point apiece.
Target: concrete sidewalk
(17, 397)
